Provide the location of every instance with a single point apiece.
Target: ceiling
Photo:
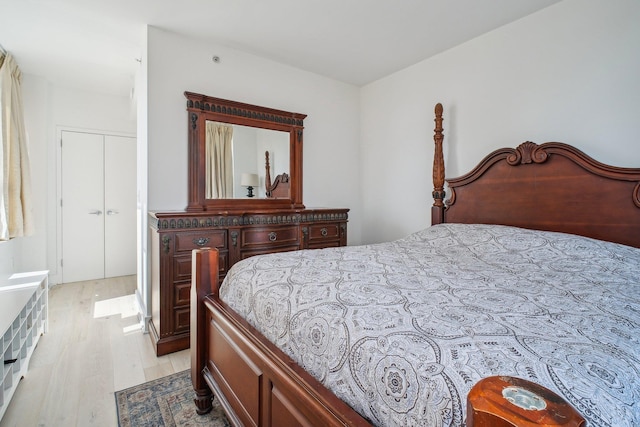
(94, 44)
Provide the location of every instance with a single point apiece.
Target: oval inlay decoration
(524, 398)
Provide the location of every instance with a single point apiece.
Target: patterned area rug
(165, 402)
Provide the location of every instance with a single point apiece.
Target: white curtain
(16, 216)
(219, 161)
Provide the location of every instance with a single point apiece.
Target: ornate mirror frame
(201, 108)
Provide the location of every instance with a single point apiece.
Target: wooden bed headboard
(280, 186)
(552, 186)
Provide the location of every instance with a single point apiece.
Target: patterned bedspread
(401, 331)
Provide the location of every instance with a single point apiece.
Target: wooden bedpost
(267, 174)
(511, 402)
(204, 281)
(437, 210)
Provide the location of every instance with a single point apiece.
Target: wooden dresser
(174, 235)
(238, 224)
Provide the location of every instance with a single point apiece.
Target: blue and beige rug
(165, 402)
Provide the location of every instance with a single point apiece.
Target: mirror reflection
(237, 158)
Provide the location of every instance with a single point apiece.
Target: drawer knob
(273, 236)
(201, 241)
(323, 231)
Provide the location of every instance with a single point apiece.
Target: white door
(98, 206)
(82, 206)
(120, 193)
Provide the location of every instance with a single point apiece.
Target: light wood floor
(94, 347)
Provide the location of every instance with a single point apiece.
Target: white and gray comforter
(401, 331)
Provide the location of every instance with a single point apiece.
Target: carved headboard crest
(526, 153)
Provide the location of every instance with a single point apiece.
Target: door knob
(96, 212)
(112, 212)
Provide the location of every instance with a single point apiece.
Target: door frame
(58, 143)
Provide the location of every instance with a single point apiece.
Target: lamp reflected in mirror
(249, 180)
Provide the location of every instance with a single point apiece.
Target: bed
(530, 270)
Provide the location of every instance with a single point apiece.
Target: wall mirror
(239, 160)
(243, 156)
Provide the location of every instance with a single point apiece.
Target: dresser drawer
(324, 232)
(181, 320)
(182, 294)
(206, 239)
(269, 236)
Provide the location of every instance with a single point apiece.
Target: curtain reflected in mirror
(232, 151)
(219, 161)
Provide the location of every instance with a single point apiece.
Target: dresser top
(180, 220)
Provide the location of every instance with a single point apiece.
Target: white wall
(47, 109)
(143, 292)
(567, 73)
(177, 64)
(78, 109)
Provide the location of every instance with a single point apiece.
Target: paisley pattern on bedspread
(401, 331)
